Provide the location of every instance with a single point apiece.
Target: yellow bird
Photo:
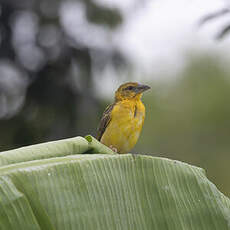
(122, 121)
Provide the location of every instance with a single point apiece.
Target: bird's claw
(113, 148)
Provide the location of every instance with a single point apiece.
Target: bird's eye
(129, 87)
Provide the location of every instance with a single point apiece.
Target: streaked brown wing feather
(106, 117)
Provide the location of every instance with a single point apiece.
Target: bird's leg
(113, 148)
(134, 155)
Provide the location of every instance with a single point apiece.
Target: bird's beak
(141, 88)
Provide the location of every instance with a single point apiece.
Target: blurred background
(61, 61)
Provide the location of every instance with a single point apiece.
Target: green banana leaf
(66, 185)
(71, 146)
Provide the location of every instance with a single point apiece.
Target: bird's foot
(113, 148)
(134, 156)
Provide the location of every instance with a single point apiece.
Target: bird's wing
(106, 118)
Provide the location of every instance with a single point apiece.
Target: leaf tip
(89, 138)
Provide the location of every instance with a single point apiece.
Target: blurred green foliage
(189, 120)
(48, 51)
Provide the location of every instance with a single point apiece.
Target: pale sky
(162, 30)
(157, 35)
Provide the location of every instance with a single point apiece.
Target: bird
(122, 121)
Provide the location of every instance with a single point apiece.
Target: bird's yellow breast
(127, 118)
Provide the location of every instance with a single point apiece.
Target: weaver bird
(122, 121)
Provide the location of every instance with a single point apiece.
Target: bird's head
(130, 90)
